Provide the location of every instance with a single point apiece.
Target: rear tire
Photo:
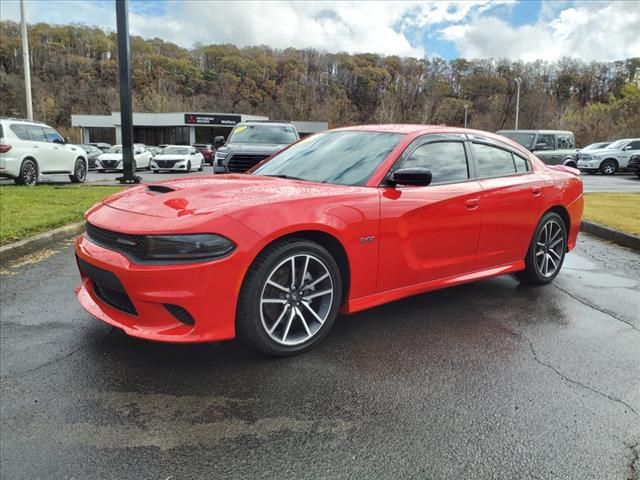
(546, 252)
(28, 173)
(290, 298)
(609, 167)
(79, 172)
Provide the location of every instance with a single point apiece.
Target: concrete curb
(615, 236)
(38, 242)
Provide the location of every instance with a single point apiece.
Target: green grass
(26, 211)
(616, 210)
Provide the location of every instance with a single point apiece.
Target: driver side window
(548, 140)
(447, 161)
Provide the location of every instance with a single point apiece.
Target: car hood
(258, 148)
(110, 156)
(219, 195)
(605, 151)
(161, 156)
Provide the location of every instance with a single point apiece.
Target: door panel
(511, 205)
(43, 150)
(427, 233)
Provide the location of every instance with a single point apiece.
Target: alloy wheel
(81, 171)
(609, 168)
(549, 248)
(296, 299)
(29, 173)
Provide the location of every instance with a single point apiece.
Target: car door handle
(472, 203)
(36, 146)
(536, 191)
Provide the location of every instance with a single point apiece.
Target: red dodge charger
(339, 222)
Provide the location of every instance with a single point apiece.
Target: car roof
(536, 131)
(272, 123)
(414, 130)
(22, 120)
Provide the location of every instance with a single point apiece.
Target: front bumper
(207, 291)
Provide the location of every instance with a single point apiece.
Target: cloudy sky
(516, 29)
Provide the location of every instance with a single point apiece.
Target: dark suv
(634, 164)
(207, 152)
(251, 142)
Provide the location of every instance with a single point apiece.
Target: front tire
(28, 173)
(546, 252)
(290, 298)
(608, 167)
(79, 172)
(189, 167)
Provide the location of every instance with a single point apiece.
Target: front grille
(166, 163)
(134, 245)
(109, 163)
(115, 299)
(241, 163)
(635, 160)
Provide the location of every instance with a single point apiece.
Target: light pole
(25, 60)
(126, 115)
(517, 101)
(466, 109)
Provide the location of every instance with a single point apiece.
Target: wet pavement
(486, 380)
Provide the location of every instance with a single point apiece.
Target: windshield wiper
(288, 177)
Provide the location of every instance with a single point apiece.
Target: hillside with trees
(74, 69)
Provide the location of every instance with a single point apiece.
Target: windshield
(617, 144)
(343, 158)
(115, 149)
(176, 151)
(524, 139)
(273, 134)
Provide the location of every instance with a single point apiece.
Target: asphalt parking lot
(486, 380)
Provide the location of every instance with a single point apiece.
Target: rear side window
(565, 141)
(21, 131)
(37, 133)
(52, 135)
(493, 162)
(447, 161)
(522, 164)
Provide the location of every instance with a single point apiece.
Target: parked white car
(611, 159)
(112, 159)
(178, 158)
(29, 149)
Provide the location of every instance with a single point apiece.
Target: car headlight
(187, 247)
(221, 155)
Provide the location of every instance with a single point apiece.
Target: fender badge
(368, 239)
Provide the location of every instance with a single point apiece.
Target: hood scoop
(160, 189)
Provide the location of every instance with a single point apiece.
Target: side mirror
(628, 147)
(419, 176)
(218, 141)
(59, 140)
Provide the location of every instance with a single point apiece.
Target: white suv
(611, 159)
(28, 149)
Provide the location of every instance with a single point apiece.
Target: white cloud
(587, 30)
(352, 26)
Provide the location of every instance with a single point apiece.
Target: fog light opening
(180, 314)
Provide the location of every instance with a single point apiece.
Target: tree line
(74, 69)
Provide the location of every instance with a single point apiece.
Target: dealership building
(179, 128)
